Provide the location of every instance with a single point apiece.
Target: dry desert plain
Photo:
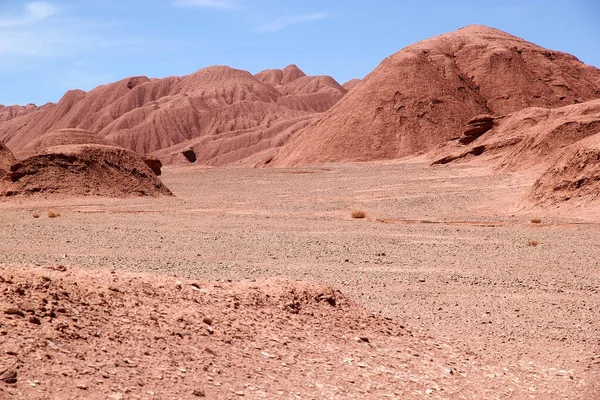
(196, 295)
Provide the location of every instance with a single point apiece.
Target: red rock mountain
(220, 113)
(424, 95)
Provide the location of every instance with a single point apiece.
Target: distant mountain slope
(214, 105)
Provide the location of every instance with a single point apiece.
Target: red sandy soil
(96, 335)
(89, 169)
(463, 305)
(426, 93)
(216, 107)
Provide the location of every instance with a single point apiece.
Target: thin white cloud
(34, 12)
(280, 23)
(219, 4)
(42, 32)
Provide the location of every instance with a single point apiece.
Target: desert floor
(442, 251)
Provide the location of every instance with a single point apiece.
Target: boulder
(154, 163)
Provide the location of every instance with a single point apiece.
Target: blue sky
(48, 47)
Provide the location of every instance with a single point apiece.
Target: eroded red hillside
(426, 93)
(217, 106)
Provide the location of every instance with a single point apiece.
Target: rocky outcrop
(154, 163)
(75, 170)
(476, 127)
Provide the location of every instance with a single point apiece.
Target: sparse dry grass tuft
(536, 220)
(532, 243)
(358, 214)
(53, 214)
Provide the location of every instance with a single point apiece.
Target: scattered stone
(190, 155)
(28, 306)
(8, 375)
(199, 393)
(34, 320)
(210, 351)
(207, 320)
(12, 351)
(14, 311)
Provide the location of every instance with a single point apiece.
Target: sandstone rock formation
(426, 93)
(476, 127)
(531, 138)
(215, 108)
(154, 163)
(89, 169)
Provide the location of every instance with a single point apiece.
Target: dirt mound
(528, 139)
(575, 175)
(426, 93)
(61, 137)
(83, 170)
(148, 115)
(97, 335)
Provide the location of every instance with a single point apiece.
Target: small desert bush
(536, 221)
(53, 214)
(35, 215)
(533, 243)
(358, 214)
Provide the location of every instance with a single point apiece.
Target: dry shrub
(358, 214)
(532, 243)
(35, 215)
(53, 214)
(536, 221)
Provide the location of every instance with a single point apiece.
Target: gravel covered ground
(443, 251)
